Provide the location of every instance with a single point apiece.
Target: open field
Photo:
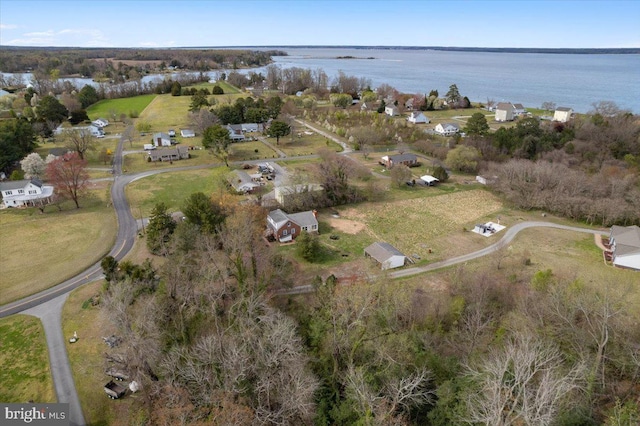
(24, 361)
(87, 360)
(167, 112)
(85, 234)
(243, 151)
(299, 143)
(105, 107)
(173, 188)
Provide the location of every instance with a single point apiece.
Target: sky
(216, 23)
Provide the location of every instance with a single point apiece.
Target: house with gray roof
(161, 139)
(624, 243)
(386, 255)
(169, 154)
(235, 132)
(285, 227)
(505, 111)
(25, 193)
(242, 182)
(409, 160)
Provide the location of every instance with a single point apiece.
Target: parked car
(172, 133)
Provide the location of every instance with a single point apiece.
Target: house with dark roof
(624, 242)
(285, 227)
(518, 109)
(386, 255)
(409, 160)
(25, 193)
(168, 154)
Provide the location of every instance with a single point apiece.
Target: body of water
(570, 80)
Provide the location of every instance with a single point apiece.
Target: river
(569, 80)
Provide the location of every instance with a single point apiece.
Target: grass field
(58, 245)
(92, 157)
(105, 107)
(166, 112)
(24, 361)
(243, 151)
(303, 144)
(173, 188)
(87, 360)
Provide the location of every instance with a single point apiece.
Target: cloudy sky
(158, 23)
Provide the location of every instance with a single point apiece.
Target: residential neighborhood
(234, 241)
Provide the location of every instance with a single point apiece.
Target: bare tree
(80, 141)
(202, 119)
(522, 382)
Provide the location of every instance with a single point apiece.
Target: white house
(625, 246)
(562, 114)
(447, 129)
(518, 109)
(386, 255)
(161, 139)
(92, 130)
(25, 193)
(100, 122)
(417, 117)
(242, 182)
(504, 111)
(391, 110)
(252, 127)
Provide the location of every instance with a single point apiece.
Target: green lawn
(167, 112)
(106, 107)
(137, 162)
(57, 244)
(93, 156)
(174, 188)
(24, 361)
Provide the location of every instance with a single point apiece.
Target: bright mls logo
(36, 414)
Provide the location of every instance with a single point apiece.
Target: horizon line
(355, 46)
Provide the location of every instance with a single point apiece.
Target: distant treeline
(100, 62)
(625, 50)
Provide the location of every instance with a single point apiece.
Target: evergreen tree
(161, 226)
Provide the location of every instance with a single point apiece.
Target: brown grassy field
(56, 245)
(87, 361)
(24, 361)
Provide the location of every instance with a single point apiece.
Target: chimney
(315, 213)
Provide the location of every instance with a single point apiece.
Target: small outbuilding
(187, 133)
(386, 255)
(562, 114)
(161, 139)
(429, 180)
(505, 111)
(391, 110)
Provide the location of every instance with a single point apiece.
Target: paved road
(47, 305)
(509, 235)
(50, 313)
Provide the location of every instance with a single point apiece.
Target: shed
(429, 180)
(187, 133)
(386, 255)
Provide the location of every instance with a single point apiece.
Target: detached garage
(386, 255)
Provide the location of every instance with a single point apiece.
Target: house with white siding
(624, 242)
(25, 193)
(562, 114)
(447, 129)
(505, 111)
(417, 117)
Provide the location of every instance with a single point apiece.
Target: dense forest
(108, 63)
